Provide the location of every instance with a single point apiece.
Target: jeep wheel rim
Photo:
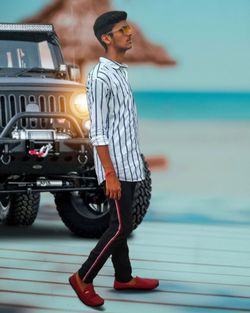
(94, 210)
(100, 208)
(4, 207)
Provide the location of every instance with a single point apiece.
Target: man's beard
(123, 50)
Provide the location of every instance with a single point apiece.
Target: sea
(182, 105)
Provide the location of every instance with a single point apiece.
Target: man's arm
(99, 112)
(113, 185)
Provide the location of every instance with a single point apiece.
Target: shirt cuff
(99, 141)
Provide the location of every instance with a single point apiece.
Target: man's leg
(120, 254)
(121, 262)
(118, 230)
(113, 241)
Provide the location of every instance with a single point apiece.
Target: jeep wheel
(22, 209)
(142, 196)
(91, 220)
(83, 219)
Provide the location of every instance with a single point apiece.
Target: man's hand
(113, 186)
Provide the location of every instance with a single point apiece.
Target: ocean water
(193, 105)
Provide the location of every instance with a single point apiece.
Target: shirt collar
(112, 63)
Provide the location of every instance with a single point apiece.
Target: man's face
(122, 36)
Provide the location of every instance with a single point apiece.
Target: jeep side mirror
(74, 72)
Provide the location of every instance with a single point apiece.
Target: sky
(210, 41)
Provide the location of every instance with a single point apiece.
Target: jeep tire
(19, 209)
(83, 221)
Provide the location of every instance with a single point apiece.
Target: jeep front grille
(11, 104)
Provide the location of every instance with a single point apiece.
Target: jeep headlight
(79, 108)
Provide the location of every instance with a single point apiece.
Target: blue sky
(209, 39)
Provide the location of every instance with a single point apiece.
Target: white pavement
(201, 269)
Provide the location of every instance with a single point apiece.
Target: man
(118, 164)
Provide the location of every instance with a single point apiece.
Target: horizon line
(193, 90)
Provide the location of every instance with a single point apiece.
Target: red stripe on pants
(110, 241)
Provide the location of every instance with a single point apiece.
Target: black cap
(107, 19)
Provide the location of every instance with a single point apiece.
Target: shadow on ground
(38, 232)
(34, 232)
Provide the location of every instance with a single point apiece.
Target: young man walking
(118, 164)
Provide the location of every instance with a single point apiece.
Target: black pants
(114, 241)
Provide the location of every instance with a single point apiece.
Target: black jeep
(44, 145)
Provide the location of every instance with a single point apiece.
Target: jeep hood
(39, 83)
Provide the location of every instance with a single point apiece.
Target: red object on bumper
(37, 153)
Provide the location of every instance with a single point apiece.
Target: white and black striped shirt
(114, 121)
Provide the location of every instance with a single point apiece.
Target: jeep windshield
(29, 53)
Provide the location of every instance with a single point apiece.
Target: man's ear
(106, 39)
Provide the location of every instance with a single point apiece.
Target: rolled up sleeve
(98, 95)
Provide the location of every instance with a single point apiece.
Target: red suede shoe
(137, 283)
(86, 294)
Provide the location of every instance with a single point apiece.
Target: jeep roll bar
(7, 129)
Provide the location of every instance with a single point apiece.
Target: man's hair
(105, 23)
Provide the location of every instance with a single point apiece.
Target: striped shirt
(114, 121)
